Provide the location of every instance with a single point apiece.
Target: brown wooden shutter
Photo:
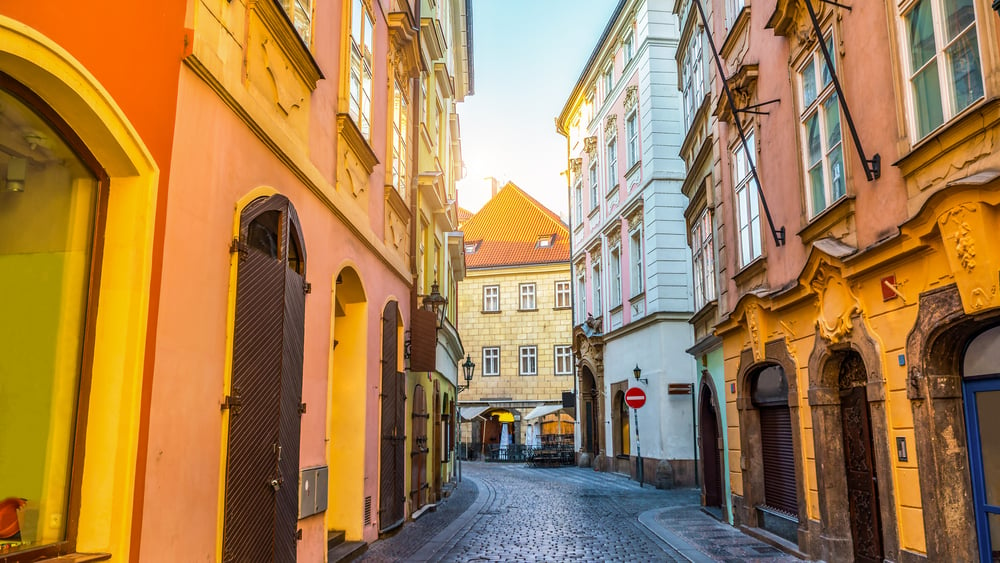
(423, 341)
(779, 460)
(392, 455)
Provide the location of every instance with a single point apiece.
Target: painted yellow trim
(120, 332)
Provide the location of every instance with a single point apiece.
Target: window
(693, 79)
(635, 256)
(703, 260)
(612, 156)
(578, 196)
(747, 205)
(733, 9)
(595, 283)
(632, 137)
(945, 72)
(562, 295)
(616, 277)
(300, 14)
(608, 81)
(400, 133)
(593, 185)
(581, 295)
(628, 48)
(564, 360)
(491, 361)
(823, 150)
(529, 360)
(362, 27)
(545, 241)
(528, 297)
(491, 298)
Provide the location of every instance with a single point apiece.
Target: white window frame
(300, 13)
(595, 285)
(578, 194)
(693, 77)
(949, 103)
(491, 298)
(818, 110)
(527, 360)
(594, 185)
(491, 359)
(703, 259)
(733, 9)
(628, 46)
(637, 280)
(527, 300)
(632, 137)
(563, 360)
(361, 64)
(400, 135)
(612, 160)
(581, 295)
(615, 275)
(609, 83)
(747, 203)
(562, 293)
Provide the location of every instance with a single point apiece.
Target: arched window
(50, 197)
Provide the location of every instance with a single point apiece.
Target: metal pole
(638, 449)
(458, 458)
(694, 432)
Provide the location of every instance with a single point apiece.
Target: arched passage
(348, 377)
(590, 422)
(712, 478)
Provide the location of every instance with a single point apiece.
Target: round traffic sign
(635, 397)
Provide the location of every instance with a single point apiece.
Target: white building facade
(631, 262)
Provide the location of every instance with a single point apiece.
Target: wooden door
(711, 461)
(418, 456)
(859, 461)
(439, 440)
(392, 495)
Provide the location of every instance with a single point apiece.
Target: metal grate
(368, 511)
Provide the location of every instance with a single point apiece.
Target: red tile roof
(508, 231)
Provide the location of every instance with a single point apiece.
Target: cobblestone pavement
(510, 512)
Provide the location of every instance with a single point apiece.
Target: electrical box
(313, 486)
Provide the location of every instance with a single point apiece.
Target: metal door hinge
(237, 246)
(302, 408)
(233, 402)
(298, 534)
(307, 287)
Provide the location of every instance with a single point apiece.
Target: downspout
(572, 286)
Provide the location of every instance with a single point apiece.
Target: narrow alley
(512, 512)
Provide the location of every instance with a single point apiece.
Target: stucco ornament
(754, 321)
(576, 167)
(835, 301)
(631, 98)
(611, 126)
(963, 234)
(590, 145)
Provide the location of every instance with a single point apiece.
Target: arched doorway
(859, 459)
(392, 476)
(981, 395)
(589, 403)
(769, 396)
(620, 423)
(711, 460)
(265, 398)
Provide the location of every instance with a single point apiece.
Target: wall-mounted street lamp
(436, 303)
(637, 372)
(468, 368)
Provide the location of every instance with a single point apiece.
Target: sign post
(635, 398)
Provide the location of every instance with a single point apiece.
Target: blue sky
(527, 56)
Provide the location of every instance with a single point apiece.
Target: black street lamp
(468, 368)
(637, 372)
(436, 303)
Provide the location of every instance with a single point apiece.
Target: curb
(448, 537)
(685, 549)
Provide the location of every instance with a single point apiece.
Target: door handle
(275, 484)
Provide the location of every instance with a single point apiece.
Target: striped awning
(542, 410)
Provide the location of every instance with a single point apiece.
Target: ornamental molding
(576, 168)
(965, 231)
(836, 303)
(611, 126)
(590, 146)
(753, 317)
(631, 97)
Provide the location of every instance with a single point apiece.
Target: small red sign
(635, 397)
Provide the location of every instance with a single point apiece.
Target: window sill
(352, 136)
(594, 211)
(837, 214)
(491, 312)
(563, 374)
(527, 375)
(633, 169)
(289, 41)
(561, 308)
(527, 310)
(612, 192)
(756, 268)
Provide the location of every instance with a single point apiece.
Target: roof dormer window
(545, 241)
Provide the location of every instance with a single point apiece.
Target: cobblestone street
(508, 512)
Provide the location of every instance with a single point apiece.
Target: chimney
(494, 184)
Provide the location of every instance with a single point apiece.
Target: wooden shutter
(391, 480)
(779, 460)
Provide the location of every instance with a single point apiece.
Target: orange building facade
(221, 304)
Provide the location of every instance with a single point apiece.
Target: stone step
(346, 551)
(334, 538)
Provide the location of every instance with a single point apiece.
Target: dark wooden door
(439, 440)
(862, 490)
(778, 456)
(590, 439)
(392, 485)
(418, 455)
(711, 462)
(260, 514)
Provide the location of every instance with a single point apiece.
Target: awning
(469, 413)
(542, 410)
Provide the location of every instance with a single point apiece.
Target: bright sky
(527, 56)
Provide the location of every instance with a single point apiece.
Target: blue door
(982, 419)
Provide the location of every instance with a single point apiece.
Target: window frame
(491, 354)
(290, 10)
(818, 108)
(527, 354)
(361, 55)
(632, 138)
(615, 276)
(609, 80)
(487, 298)
(703, 259)
(594, 185)
(693, 77)
(527, 295)
(751, 212)
(628, 46)
(637, 268)
(595, 288)
(398, 146)
(611, 148)
(948, 106)
(565, 291)
(578, 192)
(566, 357)
(581, 294)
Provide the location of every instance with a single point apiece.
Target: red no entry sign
(635, 397)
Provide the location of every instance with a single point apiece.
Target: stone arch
(708, 399)
(591, 415)
(744, 508)
(825, 363)
(934, 349)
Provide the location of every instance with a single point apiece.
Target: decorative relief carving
(631, 97)
(973, 264)
(753, 317)
(611, 126)
(575, 167)
(635, 219)
(835, 302)
(590, 145)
